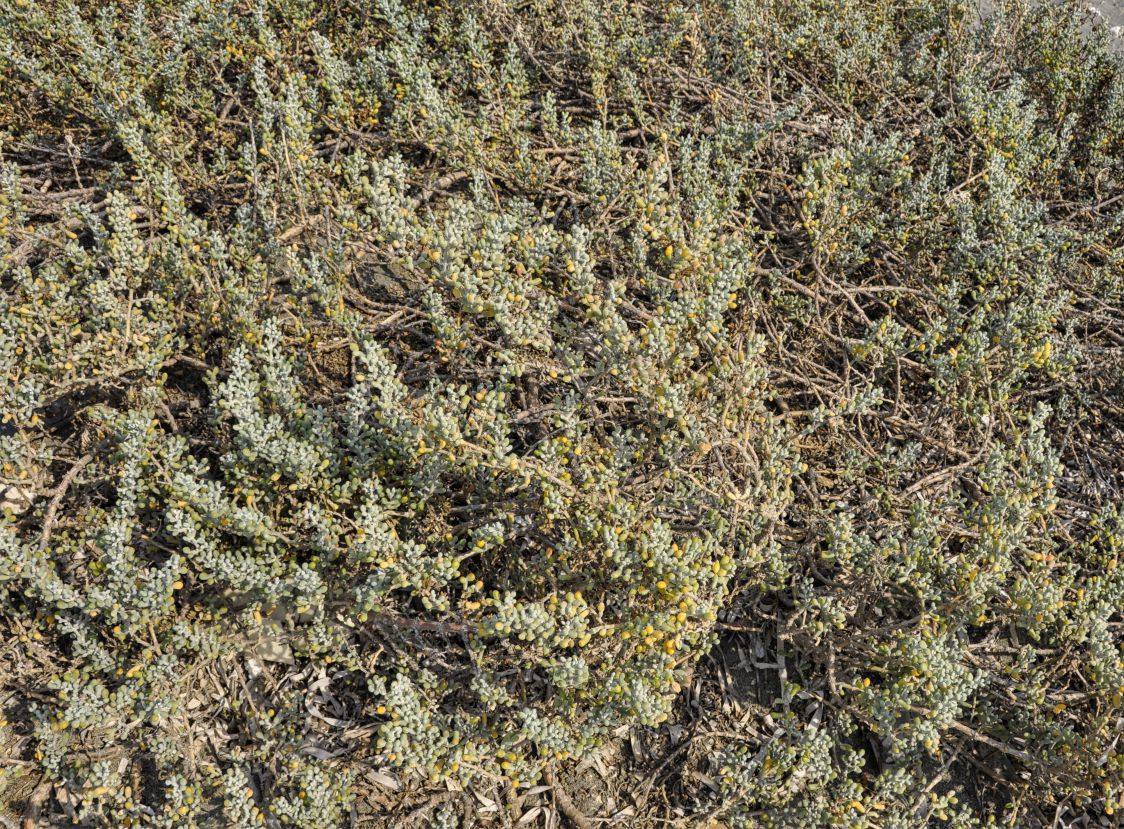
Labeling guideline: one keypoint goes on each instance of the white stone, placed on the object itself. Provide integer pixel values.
(15, 498)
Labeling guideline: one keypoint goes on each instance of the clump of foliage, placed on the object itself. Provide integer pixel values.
(428, 388)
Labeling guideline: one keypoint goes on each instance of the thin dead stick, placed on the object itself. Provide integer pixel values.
(565, 805)
(980, 737)
(443, 183)
(56, 499)
(35, 804)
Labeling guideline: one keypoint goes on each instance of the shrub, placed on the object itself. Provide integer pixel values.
(429, 389)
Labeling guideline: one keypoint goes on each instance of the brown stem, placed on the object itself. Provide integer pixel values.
(56, 499)
(565, 805)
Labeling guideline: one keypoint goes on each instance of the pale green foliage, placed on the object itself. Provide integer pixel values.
(443, 383)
